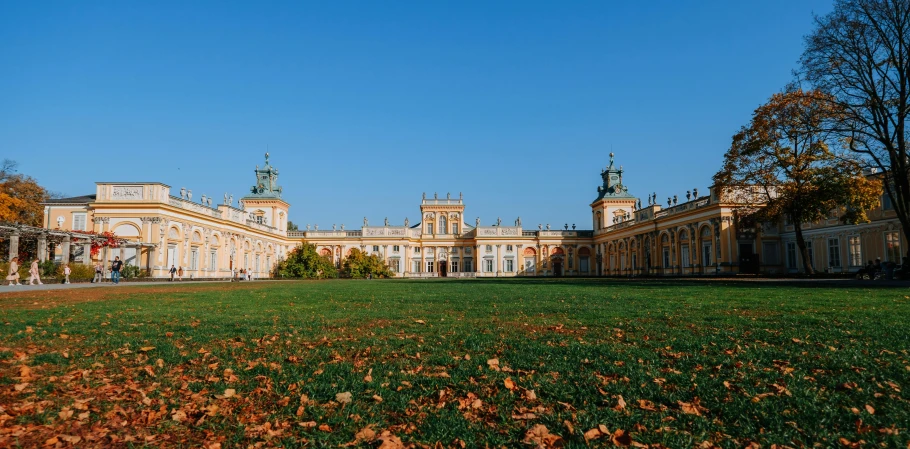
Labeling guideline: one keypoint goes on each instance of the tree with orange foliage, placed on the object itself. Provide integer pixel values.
(20, 197)
(782, 166)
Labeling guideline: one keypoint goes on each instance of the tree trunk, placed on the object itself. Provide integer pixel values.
(803, 249)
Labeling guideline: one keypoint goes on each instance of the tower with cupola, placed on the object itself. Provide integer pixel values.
(614, 204)
(263, 203)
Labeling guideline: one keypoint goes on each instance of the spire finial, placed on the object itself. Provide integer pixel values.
(266, 158)
(611, 159)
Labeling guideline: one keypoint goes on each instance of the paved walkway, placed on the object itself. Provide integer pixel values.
(5, 288)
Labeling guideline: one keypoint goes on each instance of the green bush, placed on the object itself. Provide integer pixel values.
(130, 272)
(47, 269)
(359, 265)
(79, 272)
(303, 262)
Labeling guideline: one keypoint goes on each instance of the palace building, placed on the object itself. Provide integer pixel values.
(697, 236)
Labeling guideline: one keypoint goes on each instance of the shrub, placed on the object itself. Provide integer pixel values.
(130, 272)
(359, 265)
(47, 268)
(80, 272)
(303, 262)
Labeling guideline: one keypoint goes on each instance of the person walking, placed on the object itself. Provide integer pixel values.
(13, 276)
(66, 273)
(172, 271)
(34, 272)
(99, 272)
(179, 273)
(116, 265)
(249, 275)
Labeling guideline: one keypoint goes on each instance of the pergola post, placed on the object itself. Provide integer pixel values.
(66, 249)
(14, 245)
(87, 253)
(42, 248)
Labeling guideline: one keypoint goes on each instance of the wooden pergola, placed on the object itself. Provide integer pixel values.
(14, 232)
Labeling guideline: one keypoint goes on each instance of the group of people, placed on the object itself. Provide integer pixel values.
(34, 273)
(241, 275)
(888, 270)
(116, 266)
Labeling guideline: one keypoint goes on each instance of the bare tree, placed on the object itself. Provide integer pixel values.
(860, 55)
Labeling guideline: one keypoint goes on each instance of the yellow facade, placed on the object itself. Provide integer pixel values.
(697, 236)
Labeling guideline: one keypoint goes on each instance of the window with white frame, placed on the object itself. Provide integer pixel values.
(706, 253)
(855, 247)
(509, 248)
(395, 248)
(834, 252)
(666, 257)
(375, 248)
(488, 265)
(79, 222)
(416, 250)
(791, 255)
(430, 267)
(454, 228)
(213, 260)
(769, 253)
(509, 265)
(489, 248)
(467, 250)
(415, 266)
(454, 266)
(468, 266)
(194, 258)
(893, 246)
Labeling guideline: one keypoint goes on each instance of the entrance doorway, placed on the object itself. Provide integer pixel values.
(557, 268)
(442, 269)
(748, 260)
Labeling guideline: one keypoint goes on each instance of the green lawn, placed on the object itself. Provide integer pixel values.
(664, 364)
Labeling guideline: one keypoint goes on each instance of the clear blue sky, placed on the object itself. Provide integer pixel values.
(365, 105)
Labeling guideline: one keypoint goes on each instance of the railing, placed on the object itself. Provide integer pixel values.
(498, 231)
(441, 201)
(296, 234)
(557, 233)
(261, 227)
(529, 233)
(195, 207)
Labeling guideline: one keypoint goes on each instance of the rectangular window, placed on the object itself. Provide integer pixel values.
(467, 250)
(395, 248)
(489, 248)
(430, 267)
(171, 256)
(666, 257)
(454, 266)
(375, 248)
(769, 253)
(509, 248)
(213, 260)
(791, 255)
(454, 228)
(583, 264)
(415, 266)
(834, 253)
(416, 250)
(706, 254)
(79, 222)
(856, 251)
(509, 265)
(684, 254)
(893, 246)
(886, 202)
(488, 265)
(468, 266)
(258, 267)
(194, 259)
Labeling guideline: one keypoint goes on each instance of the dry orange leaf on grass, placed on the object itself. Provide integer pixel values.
(508, 383)
(541, 437)
(369, 376)
(228, 393)
(344, 398)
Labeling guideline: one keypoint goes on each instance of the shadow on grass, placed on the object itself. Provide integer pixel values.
(644, 282)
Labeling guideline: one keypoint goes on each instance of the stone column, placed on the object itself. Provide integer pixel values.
(87, 253)
(423, 256)
(14, 245)
(42, 248)
(498, 260)
(65, 249)
(519, 260)
(478, 259)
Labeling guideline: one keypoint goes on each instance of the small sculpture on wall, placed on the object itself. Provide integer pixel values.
(406, 222)
(342, 226)
(386, 221)
(365, 222)
(333, 226)
(548, 226)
